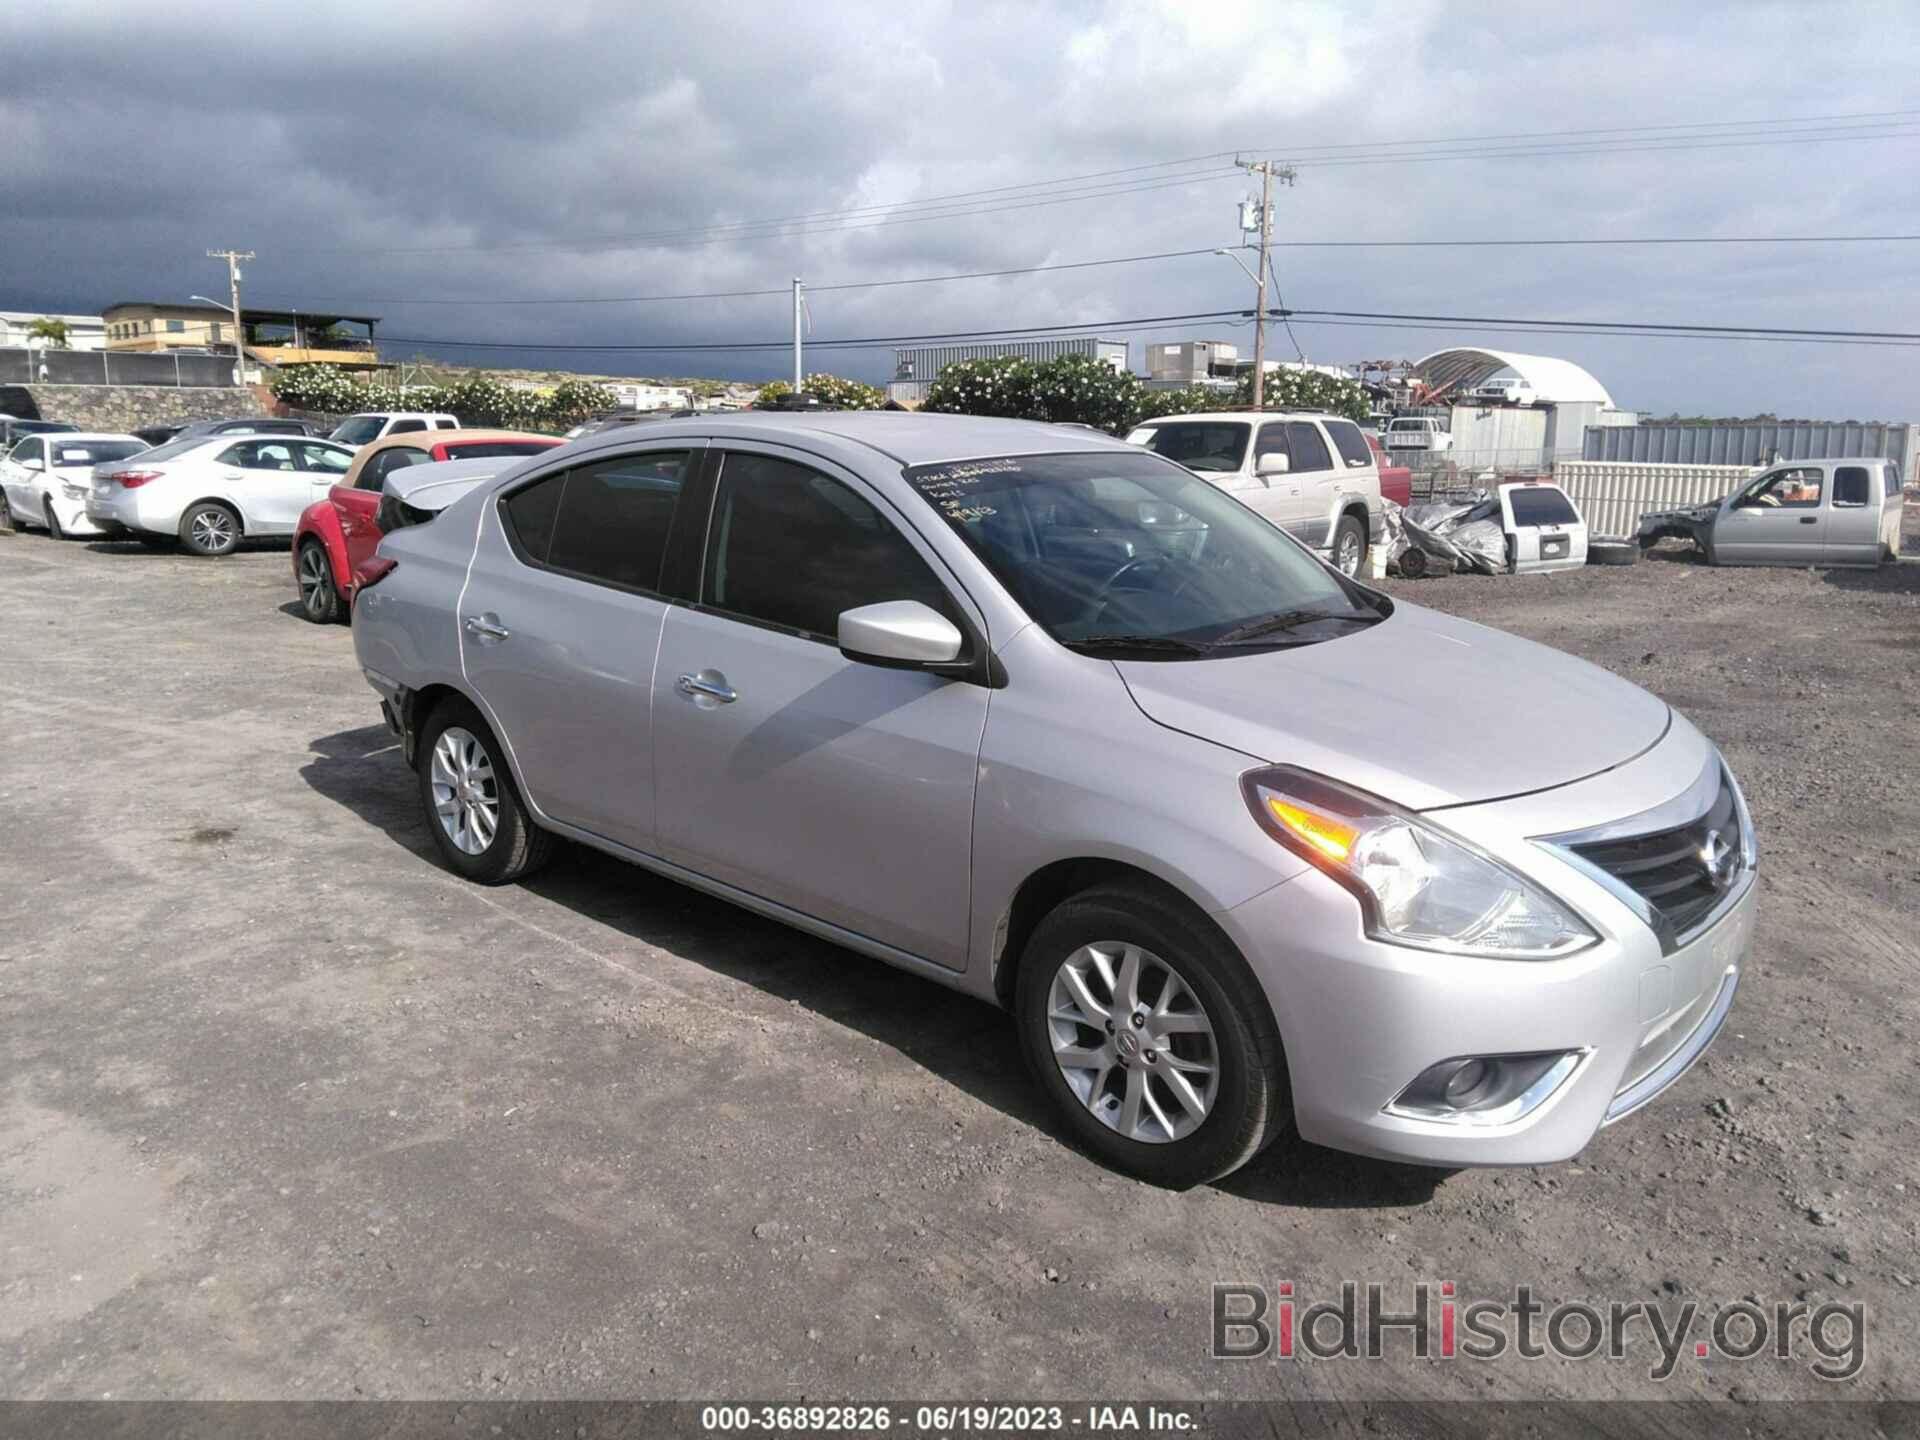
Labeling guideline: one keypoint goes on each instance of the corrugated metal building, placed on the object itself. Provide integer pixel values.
(1755, 442)
(917, 368)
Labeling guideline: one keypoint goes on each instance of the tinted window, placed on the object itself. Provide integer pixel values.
(358, 430)
(1272, 441)
(1851, 485)
(1210, 445)
(1309, 450)
(374, 473)
(96, 452)
(1892, 477)
(792, 547)
(487, 449)
(1350, 442)
(259, 455)
(406, 427)
(1541, 505)
(529, 515)
(446, 424)
(324, 459)
(26, 450)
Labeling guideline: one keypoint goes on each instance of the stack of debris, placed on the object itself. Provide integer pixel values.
(1460, 532)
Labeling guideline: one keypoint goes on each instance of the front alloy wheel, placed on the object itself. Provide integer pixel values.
(1349, 547)
(319, 600)
(1133, 1042)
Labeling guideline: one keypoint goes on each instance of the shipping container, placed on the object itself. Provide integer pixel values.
(1749, 443)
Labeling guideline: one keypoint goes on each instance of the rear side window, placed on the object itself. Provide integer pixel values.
(488, 449)
(1852, 485)
(606, 522)
(793, 548)
(259, 455)
(406, 427)
(1309, 450)
(445, 424)
(1351, 444)
(1541, 506)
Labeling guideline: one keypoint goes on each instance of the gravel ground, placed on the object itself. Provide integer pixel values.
(290, 1112)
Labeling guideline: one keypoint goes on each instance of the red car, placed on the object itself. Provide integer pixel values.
(337, 535)
(1396, 481)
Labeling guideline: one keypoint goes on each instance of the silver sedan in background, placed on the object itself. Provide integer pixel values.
(1243, 844)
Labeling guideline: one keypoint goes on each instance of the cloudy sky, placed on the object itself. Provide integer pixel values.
(377, 156)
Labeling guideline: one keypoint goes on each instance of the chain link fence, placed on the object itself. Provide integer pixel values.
(37, 366)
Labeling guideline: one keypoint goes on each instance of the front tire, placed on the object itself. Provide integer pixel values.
(211, 530)
(1349, 546)
(6, 513)
(473, 811)
(54, 532)
(1151, 1037)
(319, 598)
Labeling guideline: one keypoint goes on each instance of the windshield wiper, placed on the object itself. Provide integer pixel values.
(1287, 620)
(1139, 642)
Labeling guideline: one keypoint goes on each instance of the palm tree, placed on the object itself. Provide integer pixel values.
(51, 333)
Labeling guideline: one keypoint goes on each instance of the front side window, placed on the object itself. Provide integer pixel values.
(1541, 505)
(1210, 446)
(1309, 450)
(1852, 486)
(1128, 553)
(791, 547)
(607, 521)
(1795, 489)
(1351, 443)
(25, 451)
(1272, 441)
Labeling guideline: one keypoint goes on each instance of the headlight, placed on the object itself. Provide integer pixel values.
(1416, 885)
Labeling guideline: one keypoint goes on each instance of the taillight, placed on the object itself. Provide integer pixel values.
(373, 572)
(134, 479)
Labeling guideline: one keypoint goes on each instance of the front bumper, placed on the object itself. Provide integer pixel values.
(1361, 1018)
(72, 510)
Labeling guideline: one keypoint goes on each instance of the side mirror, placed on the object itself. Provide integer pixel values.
(34, 464)
(899, 634)
(1272, 463)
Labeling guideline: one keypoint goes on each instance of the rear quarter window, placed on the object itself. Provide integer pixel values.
(1351, 444)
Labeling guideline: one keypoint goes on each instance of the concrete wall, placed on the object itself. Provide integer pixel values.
(1613, 495)
(126, 407)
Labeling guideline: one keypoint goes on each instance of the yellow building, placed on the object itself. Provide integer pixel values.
(273, 337)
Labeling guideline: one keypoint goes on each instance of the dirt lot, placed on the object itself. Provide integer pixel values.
(288, 1111)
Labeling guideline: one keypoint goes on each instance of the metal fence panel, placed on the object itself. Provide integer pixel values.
(1613, 495)
(115, 367)
(1751, 443)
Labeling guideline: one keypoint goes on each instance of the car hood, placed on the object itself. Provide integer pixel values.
(1421, 709)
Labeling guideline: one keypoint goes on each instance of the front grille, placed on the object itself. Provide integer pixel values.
(1669, 869)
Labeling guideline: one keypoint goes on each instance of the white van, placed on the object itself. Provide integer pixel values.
(1418, 432)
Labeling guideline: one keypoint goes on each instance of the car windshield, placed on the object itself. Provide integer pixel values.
(358, 429)
(96, 452)
(1205, 445)
(1126, 553)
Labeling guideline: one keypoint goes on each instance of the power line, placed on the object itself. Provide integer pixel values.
(1121, 260)
(1630, 139)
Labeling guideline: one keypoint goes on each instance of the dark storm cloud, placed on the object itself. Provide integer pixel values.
(331, 139)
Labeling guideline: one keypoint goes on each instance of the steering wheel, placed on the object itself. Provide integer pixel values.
(1133, 563)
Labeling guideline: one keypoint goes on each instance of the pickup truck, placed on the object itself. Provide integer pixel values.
(1844, 512)
(1313, 475)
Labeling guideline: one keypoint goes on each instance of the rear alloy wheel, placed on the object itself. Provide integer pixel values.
(1149, 1033)
(319, 598)
(1349, 546)
(473, 811)
(210, 529)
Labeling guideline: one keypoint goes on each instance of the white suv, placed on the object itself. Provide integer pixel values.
(378, 424)
(1313, 475)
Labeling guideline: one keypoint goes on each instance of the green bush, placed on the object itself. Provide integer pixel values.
(1003, 387)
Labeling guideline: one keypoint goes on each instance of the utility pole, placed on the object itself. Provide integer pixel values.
(1267, 173)
(798, 305)
(233, 259)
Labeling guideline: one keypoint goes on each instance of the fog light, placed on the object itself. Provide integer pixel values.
(1486, 1089)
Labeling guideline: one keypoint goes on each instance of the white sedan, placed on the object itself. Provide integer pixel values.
(44, 478)
(212, 491)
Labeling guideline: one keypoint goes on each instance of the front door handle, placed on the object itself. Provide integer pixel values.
(708, 685)
(486, 629)
(1809, 519)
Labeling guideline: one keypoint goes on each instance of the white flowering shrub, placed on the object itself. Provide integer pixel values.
(1307, 390)
(847, 394)
(1003, 387)
(476, 400)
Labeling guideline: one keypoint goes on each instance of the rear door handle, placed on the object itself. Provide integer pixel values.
(1809, 519)
(486, 629)
(708, 684)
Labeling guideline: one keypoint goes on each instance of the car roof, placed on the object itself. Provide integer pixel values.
(67, 439)
(1247, 415)
(415, 439)
(400, 415)
(904, 436)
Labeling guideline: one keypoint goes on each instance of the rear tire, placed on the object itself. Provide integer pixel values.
(1612, 552)
(210, 529)
(473, 811)
(1246, 1099)
(313, 572)
(1349, 547)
